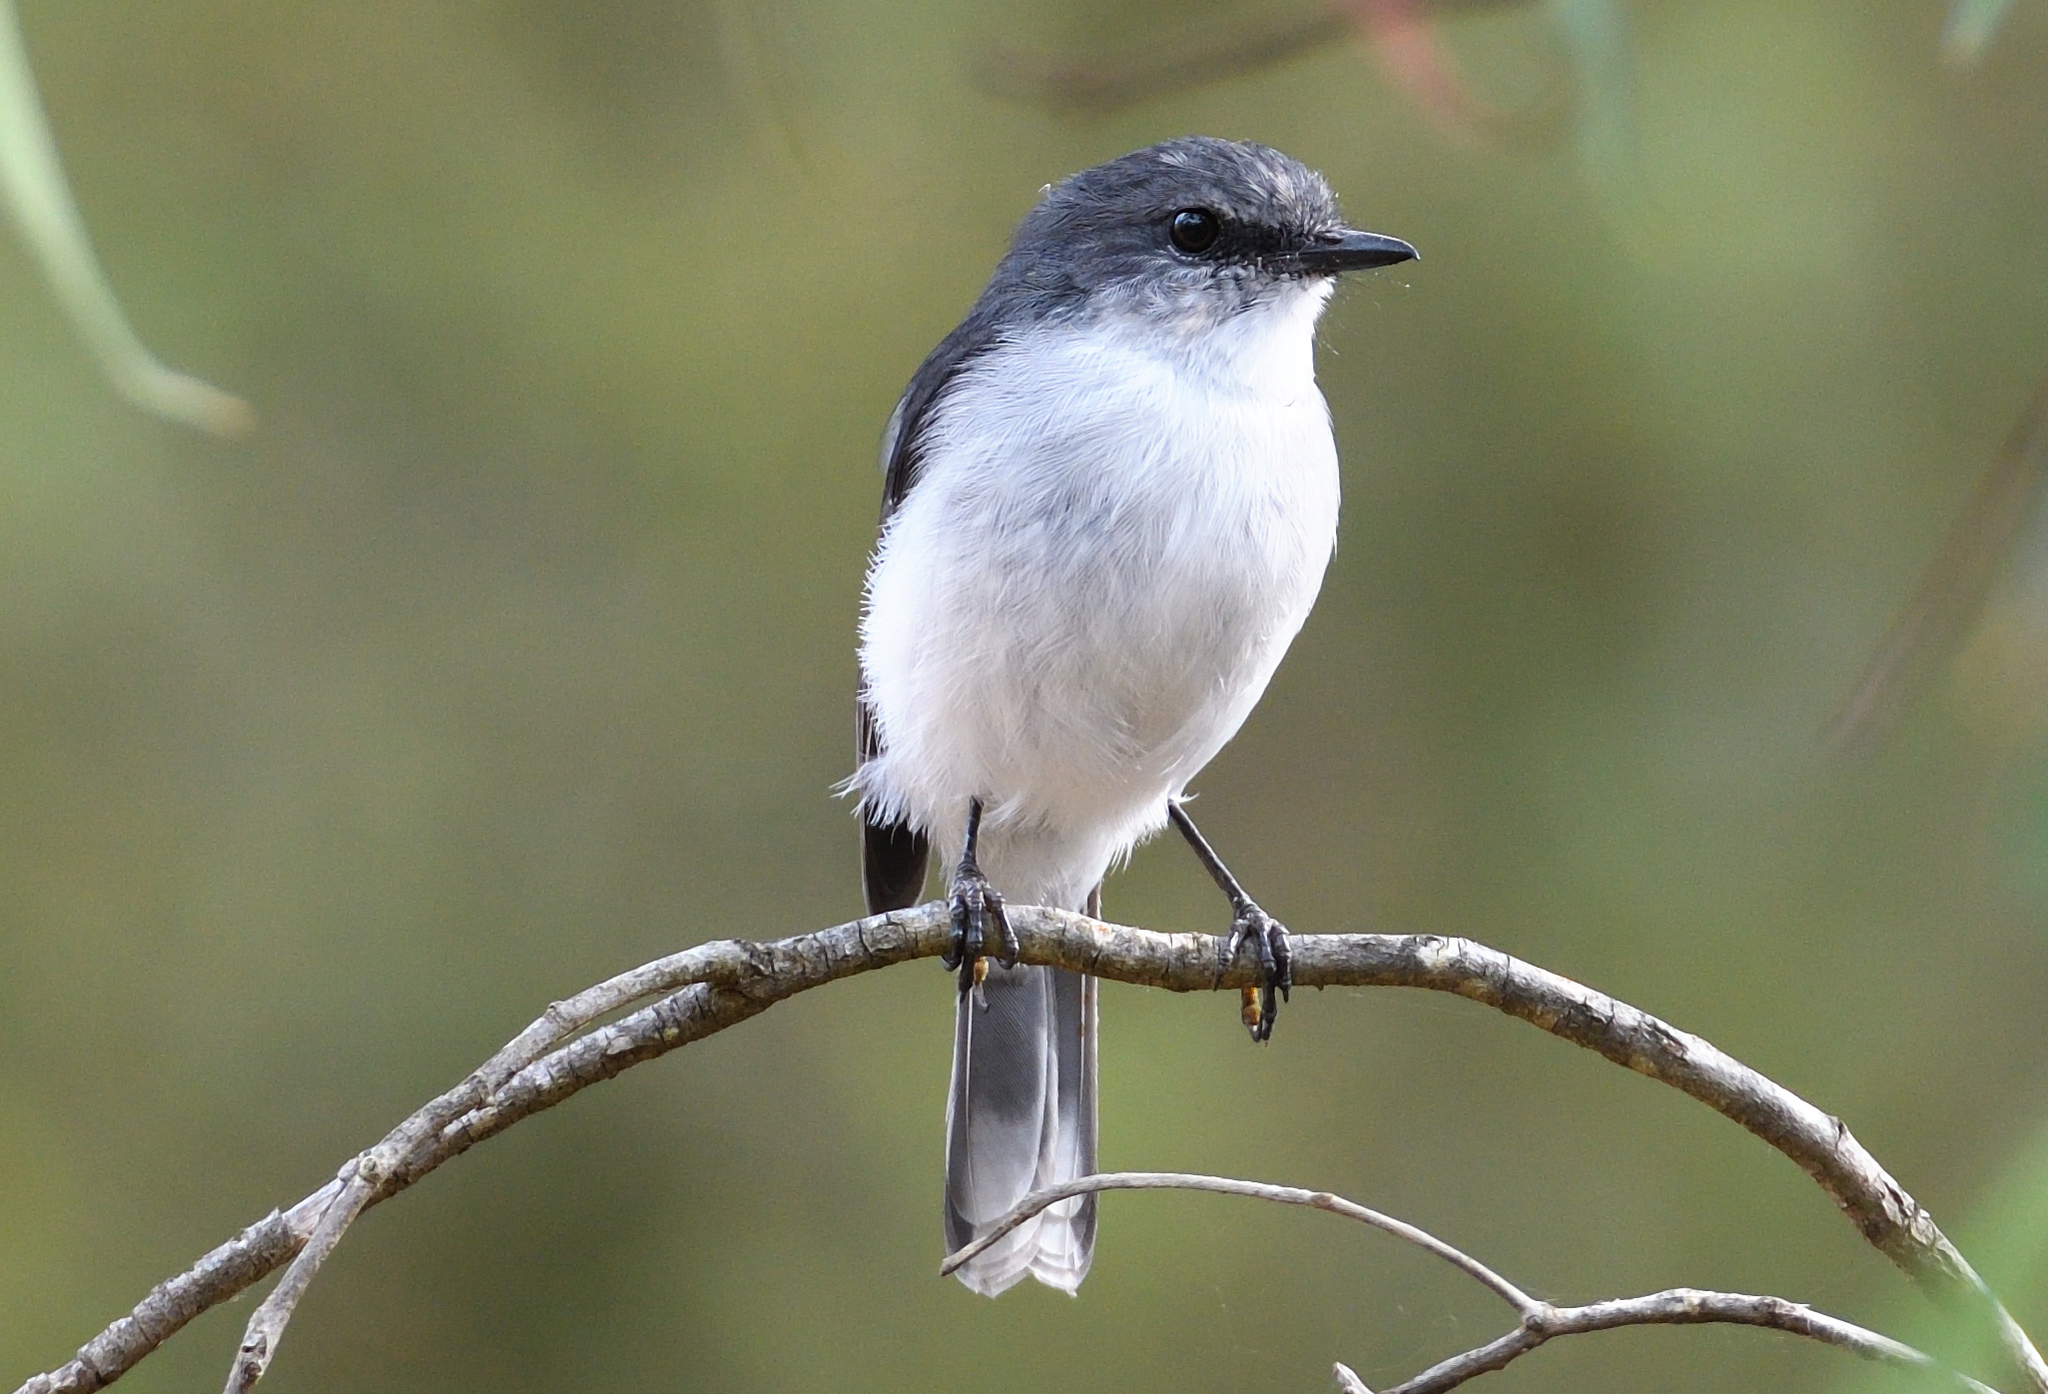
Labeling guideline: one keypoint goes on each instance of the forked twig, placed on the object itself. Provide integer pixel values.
(361, 1179)
(1537, 1321)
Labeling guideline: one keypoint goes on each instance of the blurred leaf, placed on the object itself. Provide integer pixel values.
(1970, 28)
(1411, 49)
(40, 199)
(1406, 34)
(1596, 38)
(1951, 590)
(1097, 86)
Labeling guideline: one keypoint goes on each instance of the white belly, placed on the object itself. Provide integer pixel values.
(1088, 589)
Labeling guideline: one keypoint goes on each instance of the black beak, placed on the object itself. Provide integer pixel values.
(1351, 251)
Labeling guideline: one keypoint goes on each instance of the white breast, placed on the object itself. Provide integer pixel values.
(1110, 545)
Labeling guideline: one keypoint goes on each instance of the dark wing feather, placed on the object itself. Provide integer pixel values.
(903, 442)
(893, 855)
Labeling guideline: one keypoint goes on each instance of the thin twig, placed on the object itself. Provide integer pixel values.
(278, 1239)
(1538, 1321)
(1257, 1190)
(359, 1181)
(266, 1325)
(1679, 1307)
(724, 983)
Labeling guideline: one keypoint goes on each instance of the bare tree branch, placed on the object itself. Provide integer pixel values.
(1539, 1321)
(720, 984)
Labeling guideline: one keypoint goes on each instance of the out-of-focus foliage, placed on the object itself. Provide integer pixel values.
(1949, 601)
(1971, 25)
(516, 648)
(1596, 36)
(39, 198)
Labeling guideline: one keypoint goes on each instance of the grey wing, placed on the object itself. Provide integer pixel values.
(894, 855)
(903, 442)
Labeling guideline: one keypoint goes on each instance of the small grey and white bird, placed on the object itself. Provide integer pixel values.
(1110, 496)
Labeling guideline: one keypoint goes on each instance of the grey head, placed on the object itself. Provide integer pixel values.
(1196, 227)
(1187, 233)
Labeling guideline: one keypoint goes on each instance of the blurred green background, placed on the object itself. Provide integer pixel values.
(516, 648)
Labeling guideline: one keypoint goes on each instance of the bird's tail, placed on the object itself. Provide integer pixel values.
(1021, 1116)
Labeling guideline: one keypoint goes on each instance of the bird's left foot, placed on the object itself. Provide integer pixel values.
(1268, 938)
(978, 919)
(979, 925)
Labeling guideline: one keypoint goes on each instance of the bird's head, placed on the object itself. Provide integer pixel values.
(1190, 232)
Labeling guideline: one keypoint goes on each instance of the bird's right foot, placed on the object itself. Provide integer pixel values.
(1268, 938)
(1248, 924)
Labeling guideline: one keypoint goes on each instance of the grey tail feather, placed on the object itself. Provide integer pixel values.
(1021, 1116)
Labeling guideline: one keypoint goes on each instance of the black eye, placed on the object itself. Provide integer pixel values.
(1195, 230)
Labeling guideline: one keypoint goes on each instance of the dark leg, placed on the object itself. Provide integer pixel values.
(977, 909)
(1247, 921)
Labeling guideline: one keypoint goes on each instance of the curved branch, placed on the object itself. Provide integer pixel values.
(1539, 1322)
(720, 984)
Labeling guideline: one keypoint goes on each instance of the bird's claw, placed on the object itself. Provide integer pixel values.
(1268, 938)
(979, 923)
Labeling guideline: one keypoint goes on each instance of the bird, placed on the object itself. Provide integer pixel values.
(1109, 498)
